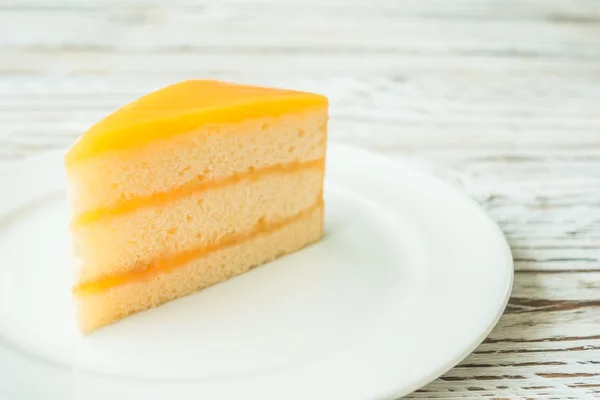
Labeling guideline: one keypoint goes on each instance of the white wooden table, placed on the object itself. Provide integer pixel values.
(499, 97)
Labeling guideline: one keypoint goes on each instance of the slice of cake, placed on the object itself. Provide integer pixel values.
(189, 186)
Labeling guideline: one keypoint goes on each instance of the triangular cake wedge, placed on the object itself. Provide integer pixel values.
(189, 186)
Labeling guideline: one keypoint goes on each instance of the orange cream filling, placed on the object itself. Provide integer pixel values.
(168, 264)
(190, 187)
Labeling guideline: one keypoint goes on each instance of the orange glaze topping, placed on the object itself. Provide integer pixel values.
(183, 107)
(191, 187)
(166, 265)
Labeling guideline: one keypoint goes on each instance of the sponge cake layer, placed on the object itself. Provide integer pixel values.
(132, 241)
(206, 154)
(101, 307)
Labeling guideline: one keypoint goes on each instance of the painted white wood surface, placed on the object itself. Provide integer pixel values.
(499, 97)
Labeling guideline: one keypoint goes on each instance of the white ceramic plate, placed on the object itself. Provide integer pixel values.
(410, 278)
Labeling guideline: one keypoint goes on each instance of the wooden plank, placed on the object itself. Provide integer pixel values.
(182, 64)
(167, 30)
(419, 110)
(566, 11)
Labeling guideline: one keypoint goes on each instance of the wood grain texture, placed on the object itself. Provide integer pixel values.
(499, 98)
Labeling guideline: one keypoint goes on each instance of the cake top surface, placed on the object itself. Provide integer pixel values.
(182, 107)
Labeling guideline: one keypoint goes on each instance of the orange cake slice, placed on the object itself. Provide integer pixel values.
(188, 186)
